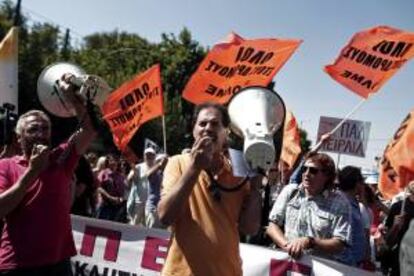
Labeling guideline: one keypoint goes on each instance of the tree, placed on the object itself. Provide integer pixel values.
(66, 50)
(304, 141)
(37, 49)
(180, 58)
(116, 57)
(6, 17)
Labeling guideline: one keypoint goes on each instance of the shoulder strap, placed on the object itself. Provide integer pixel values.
(293, 193)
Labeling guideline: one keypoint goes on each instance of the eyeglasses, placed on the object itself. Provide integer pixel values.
(311, 170)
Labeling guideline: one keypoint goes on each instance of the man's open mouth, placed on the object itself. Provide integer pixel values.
(213, 137)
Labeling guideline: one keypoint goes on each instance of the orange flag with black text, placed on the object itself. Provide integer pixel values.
(132, 104)
(291, 140)
(235, 64)
(397, 164)
(371, 58)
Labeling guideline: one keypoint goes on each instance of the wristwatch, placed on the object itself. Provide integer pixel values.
(311, 242)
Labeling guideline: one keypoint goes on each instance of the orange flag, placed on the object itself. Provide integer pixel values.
(130, 155)
(291, 140)
(397, 165)
(235, 64)
(371, 58)
(134, 103)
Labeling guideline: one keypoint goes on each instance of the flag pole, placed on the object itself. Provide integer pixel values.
(343, 120)
(164, 134)
(402, 211)
(348, 115)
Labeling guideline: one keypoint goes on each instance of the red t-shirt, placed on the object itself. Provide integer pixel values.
(38, 231)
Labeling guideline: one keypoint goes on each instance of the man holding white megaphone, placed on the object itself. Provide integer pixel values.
(35, 192)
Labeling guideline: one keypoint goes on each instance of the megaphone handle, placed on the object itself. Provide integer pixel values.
(56, 91)
(77, 81)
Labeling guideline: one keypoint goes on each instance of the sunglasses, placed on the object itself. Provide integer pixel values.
(311, 170)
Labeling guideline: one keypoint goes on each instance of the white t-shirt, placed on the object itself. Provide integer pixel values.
(140, 181)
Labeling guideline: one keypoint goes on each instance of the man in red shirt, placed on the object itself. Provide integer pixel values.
(35, 195)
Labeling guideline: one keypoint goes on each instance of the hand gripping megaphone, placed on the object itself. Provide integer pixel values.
(92, 88)
(256, 114)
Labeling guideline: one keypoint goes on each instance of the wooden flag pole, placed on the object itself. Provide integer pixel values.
(164, 134)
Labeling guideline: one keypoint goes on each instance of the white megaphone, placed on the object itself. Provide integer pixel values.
(92, 88)
(256, 113)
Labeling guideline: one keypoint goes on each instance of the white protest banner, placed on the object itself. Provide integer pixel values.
(112, 249)
(107, 248)
(351, 138)
(263, 261)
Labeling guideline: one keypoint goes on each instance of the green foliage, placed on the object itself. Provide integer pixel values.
(66, 51)
(180, 58)
(304, 141)
(117, 57)
(6, 17)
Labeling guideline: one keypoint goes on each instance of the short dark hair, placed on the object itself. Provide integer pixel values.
(328, 167)
(349, 177)
(225, 118)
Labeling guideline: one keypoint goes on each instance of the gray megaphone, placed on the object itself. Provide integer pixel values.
(256, 114)
(91, 87)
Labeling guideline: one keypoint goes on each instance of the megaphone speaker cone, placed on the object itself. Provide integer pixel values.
(49, 95)
(256, 114)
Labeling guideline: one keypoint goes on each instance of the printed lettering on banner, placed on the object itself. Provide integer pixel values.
(351, 138)
(108, 248)
(371, 58)
(132, 104)
(235, 64)
(112, 249)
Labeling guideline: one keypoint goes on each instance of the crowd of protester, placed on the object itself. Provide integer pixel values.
(345, 218)
(314, 208)
(112, 188)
